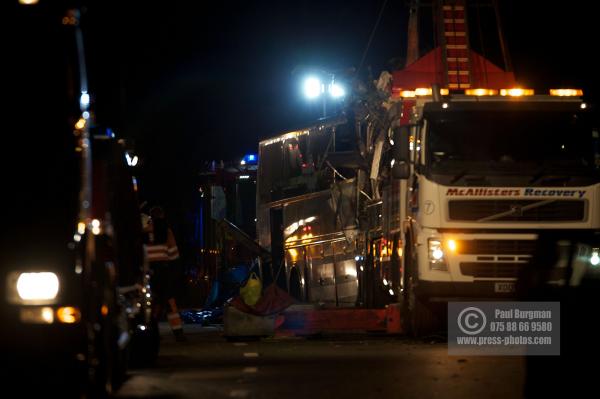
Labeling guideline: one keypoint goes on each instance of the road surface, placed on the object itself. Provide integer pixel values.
(341, 366)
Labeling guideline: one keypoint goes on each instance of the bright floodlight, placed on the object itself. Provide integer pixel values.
(131, 160)
(312, 87)
(336, 90)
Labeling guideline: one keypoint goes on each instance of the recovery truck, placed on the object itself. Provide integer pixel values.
(482, 166)
(450, 171)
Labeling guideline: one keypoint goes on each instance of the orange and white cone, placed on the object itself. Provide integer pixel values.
(175, 321)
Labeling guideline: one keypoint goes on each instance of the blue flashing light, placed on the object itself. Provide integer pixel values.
(250, 159)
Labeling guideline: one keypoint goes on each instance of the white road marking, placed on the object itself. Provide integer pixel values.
(250, 370)
(250, 354)
(239, 393)
(240, 344)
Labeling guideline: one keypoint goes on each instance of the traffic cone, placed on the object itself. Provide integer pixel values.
(175, 321)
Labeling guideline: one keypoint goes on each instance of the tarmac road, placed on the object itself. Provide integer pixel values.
(341, 366)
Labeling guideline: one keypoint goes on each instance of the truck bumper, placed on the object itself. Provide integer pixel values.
(435, 291)
(41, 352)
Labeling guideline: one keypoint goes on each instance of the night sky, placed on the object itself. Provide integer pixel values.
(188, 81)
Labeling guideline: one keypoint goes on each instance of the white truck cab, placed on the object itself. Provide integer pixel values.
(485, 175)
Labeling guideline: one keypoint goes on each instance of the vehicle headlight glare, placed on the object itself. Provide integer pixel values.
(595, 258)
(452, 245)
(435, 250)
(437, 259)
(37, 286)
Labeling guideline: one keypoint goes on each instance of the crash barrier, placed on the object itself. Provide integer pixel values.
(308, 320)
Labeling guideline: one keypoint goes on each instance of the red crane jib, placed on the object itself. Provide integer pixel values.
(429, 69)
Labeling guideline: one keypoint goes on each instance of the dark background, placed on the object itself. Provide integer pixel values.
(187, 82)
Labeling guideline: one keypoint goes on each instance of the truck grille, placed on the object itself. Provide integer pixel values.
(496, 247)
(491, 269)
(554, 211)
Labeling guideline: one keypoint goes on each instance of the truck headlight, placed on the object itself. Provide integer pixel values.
(595, 258)
(37, 286)
(437, 259)
(33, 288)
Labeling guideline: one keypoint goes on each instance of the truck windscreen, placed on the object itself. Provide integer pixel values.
(514, 141)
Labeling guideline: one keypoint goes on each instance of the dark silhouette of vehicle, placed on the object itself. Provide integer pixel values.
(74, 292)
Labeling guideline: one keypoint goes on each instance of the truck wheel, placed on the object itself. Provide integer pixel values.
(417, 315)
(421, 317)
(145, 345)
(108, 361)
(101, 383)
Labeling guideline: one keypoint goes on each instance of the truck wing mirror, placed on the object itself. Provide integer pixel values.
(401, 152)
